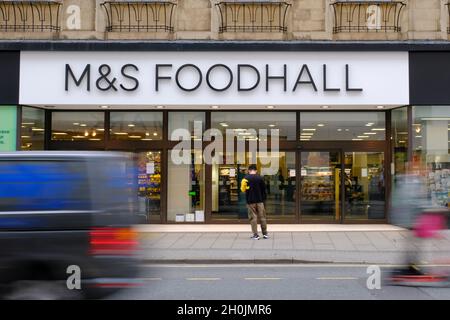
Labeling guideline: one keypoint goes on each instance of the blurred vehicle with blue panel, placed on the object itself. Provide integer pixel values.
(62, 209)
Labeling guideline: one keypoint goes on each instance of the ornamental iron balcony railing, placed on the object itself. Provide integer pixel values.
(139, 16)
(30, 15)
(367, 15)
(252, 16)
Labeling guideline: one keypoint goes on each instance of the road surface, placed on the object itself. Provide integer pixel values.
(268, 282)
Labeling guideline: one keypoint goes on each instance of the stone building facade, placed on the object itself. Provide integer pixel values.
(225, 20)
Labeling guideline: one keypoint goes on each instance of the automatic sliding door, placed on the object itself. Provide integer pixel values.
(279, 174)
(365, 187)
(320, 185)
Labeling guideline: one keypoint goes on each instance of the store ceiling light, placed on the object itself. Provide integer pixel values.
(76, 123)
(134, 137)
(28, 123)
(37, 129)
(79, 137)
(159, 107)
(339, 130)
(59, 133)
(214, 107)
(121, 133)
(378, 129)
(83, 125)
(104, 107)
(100, 129)
(380, 107)
(307, 134)
(25, 137)
(370, 133)
(363, 136)
(223, 124)
(155, 133)
(270, 107)
(309, 129)
(94, 139)
(357, 139)
(271, 125)
(325, 107)
(321, 125)
(369, 124)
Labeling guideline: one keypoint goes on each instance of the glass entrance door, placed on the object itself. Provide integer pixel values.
(365, 188)
(279, 174)
(320, 185)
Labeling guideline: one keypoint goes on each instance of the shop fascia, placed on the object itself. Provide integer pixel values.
(128, 78)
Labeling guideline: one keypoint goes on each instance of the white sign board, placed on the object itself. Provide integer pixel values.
(208, 78)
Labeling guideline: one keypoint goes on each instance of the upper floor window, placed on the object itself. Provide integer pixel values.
(252, 15)
(367, 15)
(139, 16)
(30, 16)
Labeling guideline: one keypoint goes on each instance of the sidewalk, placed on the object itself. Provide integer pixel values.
(368, 244)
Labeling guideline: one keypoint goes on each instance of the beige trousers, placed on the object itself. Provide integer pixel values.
(257, 211)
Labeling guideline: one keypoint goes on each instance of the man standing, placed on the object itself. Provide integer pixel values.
(254, 188)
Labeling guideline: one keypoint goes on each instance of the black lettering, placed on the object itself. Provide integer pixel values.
(136, 81)
(86, 73)
(239, 67)
(325, 88)
(158, 77)
(310, 81)
(200, 77)
(347, 80)
(219, 66)
(283, 77)
(104, 78)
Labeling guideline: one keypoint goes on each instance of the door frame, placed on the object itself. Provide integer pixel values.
(342, 147)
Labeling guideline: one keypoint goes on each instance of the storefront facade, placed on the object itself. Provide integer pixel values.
(339, 120)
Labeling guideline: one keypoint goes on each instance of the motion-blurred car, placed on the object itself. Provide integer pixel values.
(64, 212)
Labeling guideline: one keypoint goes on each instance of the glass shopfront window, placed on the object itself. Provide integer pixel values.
(186, 120)
(277, 170)
(149, 184)
(135, 126)
(243, 123)
(431, 146)
(32, 129)
(78, 126)
(400, 138)
(186, 189)
(352, 126)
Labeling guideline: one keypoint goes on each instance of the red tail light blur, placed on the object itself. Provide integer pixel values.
(113, 241)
